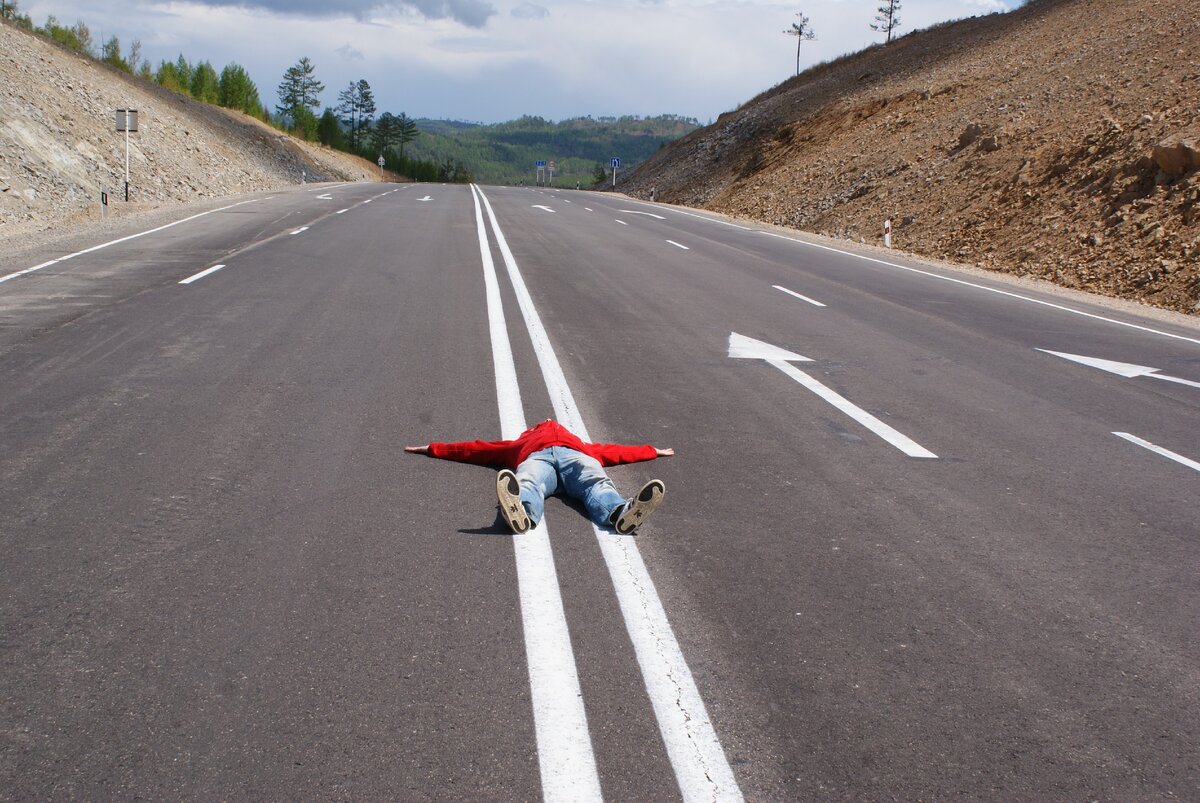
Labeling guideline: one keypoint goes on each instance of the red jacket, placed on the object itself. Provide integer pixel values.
(509, 454)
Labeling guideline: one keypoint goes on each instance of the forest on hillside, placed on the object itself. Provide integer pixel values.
(581, 147)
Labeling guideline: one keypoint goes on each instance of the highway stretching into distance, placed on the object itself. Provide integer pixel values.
(926, 534)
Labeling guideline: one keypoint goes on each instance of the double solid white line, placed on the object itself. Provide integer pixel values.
(565, 755)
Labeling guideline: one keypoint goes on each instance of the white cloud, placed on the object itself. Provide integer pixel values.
(425, 57)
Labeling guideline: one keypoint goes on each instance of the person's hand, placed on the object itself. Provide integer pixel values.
(665, 452)
(417, 449)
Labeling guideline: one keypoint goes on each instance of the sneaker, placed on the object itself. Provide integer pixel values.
(637, 509)
(508, 494)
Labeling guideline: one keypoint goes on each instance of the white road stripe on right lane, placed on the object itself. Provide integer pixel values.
(797, 295)
(1167, 453)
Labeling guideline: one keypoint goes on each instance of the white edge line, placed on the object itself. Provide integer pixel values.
(701, 769)
(797, 295)
(565, 757)
(679, 245)
(983, 287)
(1167, 453)
(201, 274)
(121, 240)
(888, 433)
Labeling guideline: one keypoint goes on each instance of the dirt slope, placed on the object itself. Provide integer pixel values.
(59, 146)
(1057, 141)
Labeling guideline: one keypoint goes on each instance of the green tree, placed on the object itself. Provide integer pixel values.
(8, 9)
(304, 123)
(235, 90)
(300, 89)
(205, 85)
(384, 135)
(329, 130)
(406, 131)
(356, 104)
(111, 54)
(167, 76)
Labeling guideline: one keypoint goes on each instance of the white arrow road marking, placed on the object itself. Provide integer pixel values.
(325, 197)
(1125, 369)
(678, 245)
(797, 295)
(568, 765)
(747, 348)
(701, 769)
(426, 198)
(299, 230)
(543, 208)
(201, 274)
(742, 347)
(1178, 458)
(647, 214)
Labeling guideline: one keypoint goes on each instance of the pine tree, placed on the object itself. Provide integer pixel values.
(888, 19)
(205, 85)
(237, 91)
(300, 89)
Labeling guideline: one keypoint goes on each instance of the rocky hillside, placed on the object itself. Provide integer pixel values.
(59, 146)
(1057, 141)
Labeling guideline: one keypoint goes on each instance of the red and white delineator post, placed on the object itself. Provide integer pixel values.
(887, 233)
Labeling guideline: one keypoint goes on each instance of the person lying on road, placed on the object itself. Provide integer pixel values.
(551, 459)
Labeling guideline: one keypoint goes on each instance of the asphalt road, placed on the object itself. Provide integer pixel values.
(904, 553)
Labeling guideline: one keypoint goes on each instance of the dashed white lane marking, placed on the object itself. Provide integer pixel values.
(565, 757)
(300, 230)
(201, 274)
(587, 209)
(797, 295)
(121, 240)
(701, 769)
(1167, 453)
(622, 222)
(679, 245)
(342, 211)
(543, 208)
(995, 290)
(368, 200)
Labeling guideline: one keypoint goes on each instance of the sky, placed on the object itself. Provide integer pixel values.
(495, 60)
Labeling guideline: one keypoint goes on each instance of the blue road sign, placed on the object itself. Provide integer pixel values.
(615, 162)
(540, 163)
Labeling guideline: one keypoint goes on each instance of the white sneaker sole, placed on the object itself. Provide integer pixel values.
(646, 502)
(508, 494)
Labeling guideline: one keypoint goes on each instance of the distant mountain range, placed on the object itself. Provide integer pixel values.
(506, 153)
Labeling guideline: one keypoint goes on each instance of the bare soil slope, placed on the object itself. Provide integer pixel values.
(1058, 141)
(59, 146)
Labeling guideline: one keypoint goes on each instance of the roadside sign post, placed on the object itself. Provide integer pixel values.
(540, 164)
(551, 172)
(381, 166)
(615, 164)
(127, 120)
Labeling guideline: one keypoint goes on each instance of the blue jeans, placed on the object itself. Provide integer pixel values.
(573, 473)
